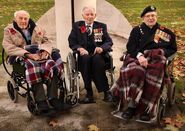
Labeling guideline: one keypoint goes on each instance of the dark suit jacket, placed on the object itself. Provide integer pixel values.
(78, 36)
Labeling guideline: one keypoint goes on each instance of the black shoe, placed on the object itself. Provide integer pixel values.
(43, 106)
(129, 113)
(145, 117)
(58, 105)
(65, 107)
(87, 100)
(108, 96)
(50, 113)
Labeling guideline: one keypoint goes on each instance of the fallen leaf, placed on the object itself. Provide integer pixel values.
(167, 120)
(183, 94)
(178, 124)
(93, 128)
(171, 128)
(180, 118)
(53, 123)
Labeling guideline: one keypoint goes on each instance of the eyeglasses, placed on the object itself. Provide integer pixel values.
(152, 16)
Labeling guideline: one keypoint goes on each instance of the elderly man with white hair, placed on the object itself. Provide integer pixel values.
(91, 39)
(19, 38)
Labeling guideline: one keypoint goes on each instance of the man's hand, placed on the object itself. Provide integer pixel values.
(83, 51)
(143, 61)
(33, 56)
(43, 55)
(98, 50)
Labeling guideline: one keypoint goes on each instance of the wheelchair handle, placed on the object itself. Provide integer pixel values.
(3, 61)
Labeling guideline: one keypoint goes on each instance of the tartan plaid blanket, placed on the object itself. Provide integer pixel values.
(42, 71)
(143, 85)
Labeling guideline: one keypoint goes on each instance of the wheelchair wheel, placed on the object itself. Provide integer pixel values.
(73, 75)
(11, 87)
(32, 106)
(161, 112)
(72, 100)
(112, 78)
(171, 95)
(71, 69)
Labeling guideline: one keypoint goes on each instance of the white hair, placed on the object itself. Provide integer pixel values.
(88, 7)
(21, 12)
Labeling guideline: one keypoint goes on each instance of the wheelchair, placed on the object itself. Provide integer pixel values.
(18, 86)
(74, 74)
(166, 99)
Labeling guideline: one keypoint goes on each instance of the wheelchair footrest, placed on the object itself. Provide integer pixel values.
(153, 120)
(117, 114)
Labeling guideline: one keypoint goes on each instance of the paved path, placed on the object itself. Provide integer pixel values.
(15, 116)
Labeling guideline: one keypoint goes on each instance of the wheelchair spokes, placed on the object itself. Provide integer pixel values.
(12, 91)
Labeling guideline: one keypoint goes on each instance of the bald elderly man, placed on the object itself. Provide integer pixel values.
(91, 39)
(19, 38)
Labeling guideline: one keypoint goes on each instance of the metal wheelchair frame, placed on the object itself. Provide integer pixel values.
(167, 97)
(74, 74)
(17, 81)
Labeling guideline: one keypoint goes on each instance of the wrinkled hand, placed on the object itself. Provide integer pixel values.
(143, 61)
(83, 51)
(98, 50)
(44, 55)
(33, 56)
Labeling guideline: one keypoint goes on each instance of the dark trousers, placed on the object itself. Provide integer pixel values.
(52, 90)
(93, 68)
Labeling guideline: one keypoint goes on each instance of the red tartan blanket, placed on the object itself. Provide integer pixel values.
(143, 85)
(37, 71)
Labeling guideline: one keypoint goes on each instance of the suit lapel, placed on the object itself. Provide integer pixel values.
(83, 35)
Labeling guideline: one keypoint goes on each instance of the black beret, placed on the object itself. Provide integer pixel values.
(148, 9)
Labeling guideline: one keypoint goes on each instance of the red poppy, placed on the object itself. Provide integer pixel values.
(99, 29)
(83, 29)
(39, 33)
(12, 31)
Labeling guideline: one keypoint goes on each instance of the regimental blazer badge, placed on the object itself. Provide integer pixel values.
(98, 33)
(159, 34)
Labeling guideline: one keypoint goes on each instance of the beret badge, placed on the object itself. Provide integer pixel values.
(152, 8)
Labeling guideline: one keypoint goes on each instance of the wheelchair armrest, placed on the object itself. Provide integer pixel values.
(76, 54)
(109, 50)
(110, 53)
(122, 58)
(55, 50)
(13, 59)
(170, 59)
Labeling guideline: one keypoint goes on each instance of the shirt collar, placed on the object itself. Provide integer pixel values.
(88, 25)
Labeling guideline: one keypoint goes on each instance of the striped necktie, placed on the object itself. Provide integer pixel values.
(88, 30)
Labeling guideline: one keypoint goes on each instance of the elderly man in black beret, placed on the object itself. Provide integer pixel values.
(141, 76)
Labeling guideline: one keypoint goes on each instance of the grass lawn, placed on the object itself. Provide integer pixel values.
(171, 13)
(36, 8)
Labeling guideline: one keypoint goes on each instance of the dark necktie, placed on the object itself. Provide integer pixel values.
(88, 30)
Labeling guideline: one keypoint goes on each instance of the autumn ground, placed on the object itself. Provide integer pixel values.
(171, 15)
